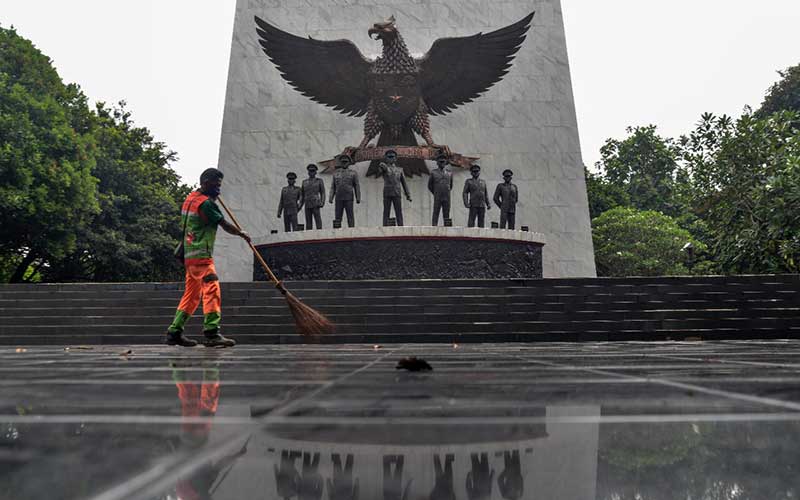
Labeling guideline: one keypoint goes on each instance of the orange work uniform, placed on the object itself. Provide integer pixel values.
(201, 216)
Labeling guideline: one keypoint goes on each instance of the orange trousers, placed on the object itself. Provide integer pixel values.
(201, 282)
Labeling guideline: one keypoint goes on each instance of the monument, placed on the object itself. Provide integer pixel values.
(509, 58)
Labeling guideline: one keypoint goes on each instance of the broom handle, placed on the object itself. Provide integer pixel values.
(252, 247)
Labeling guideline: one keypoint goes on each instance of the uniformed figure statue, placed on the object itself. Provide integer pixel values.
(345, 189)
(476, 198)
(313, 197)
(505, 197)
(510, 481)
(290, 203)
(393, 180)
(440, 183)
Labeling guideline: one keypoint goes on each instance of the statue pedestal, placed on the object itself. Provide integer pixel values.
(411, 252)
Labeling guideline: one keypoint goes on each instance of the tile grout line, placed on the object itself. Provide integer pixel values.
(679, 385)
(157, 479)
(730, 362)
(365, 421)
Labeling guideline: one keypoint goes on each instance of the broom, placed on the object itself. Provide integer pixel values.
(307, 320)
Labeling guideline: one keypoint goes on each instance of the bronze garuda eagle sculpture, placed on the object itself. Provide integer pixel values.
(396, 91)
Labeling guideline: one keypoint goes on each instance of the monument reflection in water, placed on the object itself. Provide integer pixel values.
(552, 452)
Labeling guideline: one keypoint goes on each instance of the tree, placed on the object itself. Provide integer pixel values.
(630, 242)
(784, 95)
(133, 236)
(86, 194)
(603, 195)
(46, 157)
(745, 185)
(644, 166)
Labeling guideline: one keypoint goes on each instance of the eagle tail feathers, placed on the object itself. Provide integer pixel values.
(411, 166)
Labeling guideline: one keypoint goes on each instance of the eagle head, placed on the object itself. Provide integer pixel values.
(385, 31)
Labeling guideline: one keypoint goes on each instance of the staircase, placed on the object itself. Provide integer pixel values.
(735, 307)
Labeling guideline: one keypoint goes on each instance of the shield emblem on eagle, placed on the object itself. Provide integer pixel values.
(397, 96)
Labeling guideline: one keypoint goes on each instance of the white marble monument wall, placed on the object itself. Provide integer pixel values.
(526, 123)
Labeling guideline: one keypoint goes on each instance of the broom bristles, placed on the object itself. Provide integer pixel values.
(308, 321)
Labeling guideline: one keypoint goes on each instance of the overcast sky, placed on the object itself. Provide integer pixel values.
(634, 62)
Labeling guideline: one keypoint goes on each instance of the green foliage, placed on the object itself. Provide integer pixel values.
(709, 460)
(783, 95)
(86, 195)
(631, 242)
(734, 185)
(603, 195)
(643, 166)
(746, 187)
(46, 158)
(133, 236)
(632, 448)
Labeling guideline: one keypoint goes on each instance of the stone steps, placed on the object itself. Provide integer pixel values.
(419, 311)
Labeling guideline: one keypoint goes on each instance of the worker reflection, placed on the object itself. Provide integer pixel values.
(199, 398)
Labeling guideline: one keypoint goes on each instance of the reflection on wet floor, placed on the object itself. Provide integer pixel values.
(577, 421)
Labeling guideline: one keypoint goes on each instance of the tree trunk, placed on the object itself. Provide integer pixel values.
(19, 273)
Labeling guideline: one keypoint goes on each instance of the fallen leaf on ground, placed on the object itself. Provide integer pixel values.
(413, 364)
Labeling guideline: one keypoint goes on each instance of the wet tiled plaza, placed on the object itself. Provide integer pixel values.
(701, 420)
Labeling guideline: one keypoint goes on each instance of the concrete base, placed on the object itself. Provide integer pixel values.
(422, 252)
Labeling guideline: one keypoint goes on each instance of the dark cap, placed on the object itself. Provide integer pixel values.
(291, 175)
(441, 156)
(507, 172)
(390, 152)
(312, 166)
(211, 174)
(475, 166)
(342, 158)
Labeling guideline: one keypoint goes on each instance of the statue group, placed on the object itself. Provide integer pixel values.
(346, 190)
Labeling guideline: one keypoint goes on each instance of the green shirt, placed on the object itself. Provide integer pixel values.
(212, 212)
(201, 227)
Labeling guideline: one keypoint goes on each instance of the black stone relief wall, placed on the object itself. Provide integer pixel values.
(402, 259)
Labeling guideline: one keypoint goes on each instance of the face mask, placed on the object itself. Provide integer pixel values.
(214, 191)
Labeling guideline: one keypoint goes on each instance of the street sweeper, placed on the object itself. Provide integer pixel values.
(200, 218)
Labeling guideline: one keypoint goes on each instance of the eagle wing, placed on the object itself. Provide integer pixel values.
(457, 70)
(333, 73)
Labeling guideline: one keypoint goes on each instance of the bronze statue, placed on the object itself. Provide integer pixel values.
(287, 479)
(396, 92)
(476, 198)
(313, 197)
(342, 486)
(310, 485)
(393, 488)
(393, 180)
(506, 196)
(440, 183)
(443, 487)
(290, 203)
(479, 479)
(510, 481)
(345, 188)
